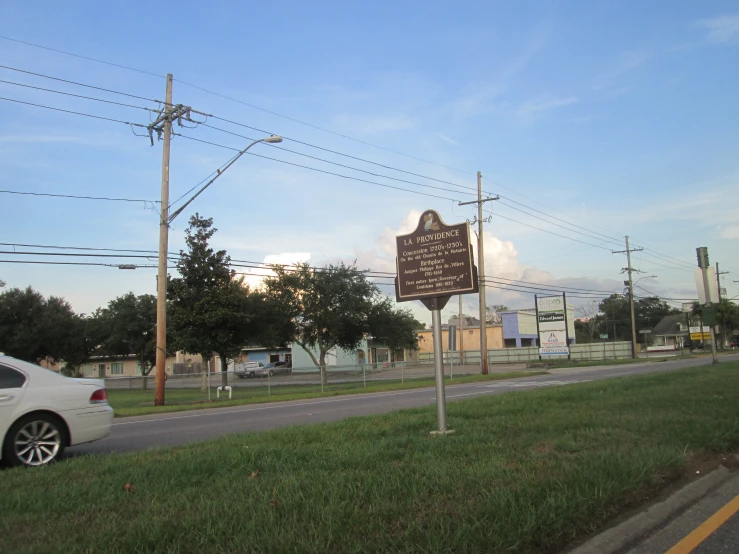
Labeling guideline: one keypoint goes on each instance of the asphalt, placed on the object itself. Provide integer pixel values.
(144, 432)
(672, 532)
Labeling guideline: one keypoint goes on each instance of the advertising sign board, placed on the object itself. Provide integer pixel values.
(552, 324)
(695, 333)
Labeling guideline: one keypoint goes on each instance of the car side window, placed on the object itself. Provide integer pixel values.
(10, 378)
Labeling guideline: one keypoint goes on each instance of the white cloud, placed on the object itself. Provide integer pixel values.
(723, 29)
(546, 103)
(445, 138)
(254, 276)
(730, 232)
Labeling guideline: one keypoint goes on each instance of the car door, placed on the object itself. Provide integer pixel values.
(12, 382)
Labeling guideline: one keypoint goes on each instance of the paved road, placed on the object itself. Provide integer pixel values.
(701, 529)
(138, 433)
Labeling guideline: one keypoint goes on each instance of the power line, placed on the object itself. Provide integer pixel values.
(79, 84)
(278, 115)
(73, 112)
(338, 164)
(347, 155)
(663, 265)
(317, 127)
(317, 170)
(560, 226)
(80, 96)
(549, 232)
(69, 263)
(79, 197)
(79, 248)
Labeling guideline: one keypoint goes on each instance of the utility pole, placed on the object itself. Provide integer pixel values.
(461, 333)
(481, 273)
(162, 125)
(161, 355)
(629, 269)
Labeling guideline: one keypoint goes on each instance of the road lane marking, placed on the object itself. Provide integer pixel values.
(705, 529)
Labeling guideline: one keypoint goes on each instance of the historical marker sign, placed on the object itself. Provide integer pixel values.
(435, 260)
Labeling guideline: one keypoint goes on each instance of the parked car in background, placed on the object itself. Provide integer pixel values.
(277, 368)
(43, 412)
(247, 369)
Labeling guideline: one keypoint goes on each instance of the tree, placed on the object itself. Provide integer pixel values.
(34, 328)
(129, 324)
(210, 309)
(586, 323)
(396, 328)
(494, 316)
(336, 307)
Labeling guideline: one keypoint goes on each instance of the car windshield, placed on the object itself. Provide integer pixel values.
(270, 365)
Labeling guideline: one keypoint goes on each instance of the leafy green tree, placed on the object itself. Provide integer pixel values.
(211, 310)
(34, 328)
(394, 327)
(129, 327)
(336, 307)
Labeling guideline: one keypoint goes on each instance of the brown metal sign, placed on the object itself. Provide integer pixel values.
(435, 260)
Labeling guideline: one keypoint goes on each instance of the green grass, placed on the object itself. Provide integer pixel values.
(591, 363)
(525, 472)
(134, 402)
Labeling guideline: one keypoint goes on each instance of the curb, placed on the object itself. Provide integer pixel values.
(616, 538)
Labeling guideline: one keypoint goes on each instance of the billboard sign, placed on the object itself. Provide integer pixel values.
(695, 333)
(552, 324)
(435, 260)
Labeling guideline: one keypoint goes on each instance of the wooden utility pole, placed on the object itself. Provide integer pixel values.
(161, 356)
(629, 269)
(481, 273)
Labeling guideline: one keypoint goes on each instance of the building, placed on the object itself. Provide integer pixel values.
(265, 355)
(672, 330)
(128, 366)
(519, 327)
(467, 339)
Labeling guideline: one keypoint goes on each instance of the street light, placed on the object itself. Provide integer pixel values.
(162, 275)
(273, 139)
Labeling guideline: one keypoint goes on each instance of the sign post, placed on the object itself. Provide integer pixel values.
(703, 264)
(434, 263)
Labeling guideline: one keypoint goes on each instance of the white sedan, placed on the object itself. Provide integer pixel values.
(43, 412)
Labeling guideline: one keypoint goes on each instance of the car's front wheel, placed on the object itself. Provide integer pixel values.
(34, 440)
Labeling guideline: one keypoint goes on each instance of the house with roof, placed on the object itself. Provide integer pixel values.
(672, 330)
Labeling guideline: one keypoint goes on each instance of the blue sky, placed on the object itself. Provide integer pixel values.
(618, 117)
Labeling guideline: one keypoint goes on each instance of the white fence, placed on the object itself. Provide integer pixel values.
(589, 351)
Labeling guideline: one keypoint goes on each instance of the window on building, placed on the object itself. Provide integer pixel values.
(10, 378)
(510, 343)
(274, 358)
(116, 368)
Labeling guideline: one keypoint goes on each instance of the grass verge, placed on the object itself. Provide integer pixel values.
(525, 472)
(134, 402)
(544, 365)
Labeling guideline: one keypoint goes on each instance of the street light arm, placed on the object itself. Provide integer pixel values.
(272, 139)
